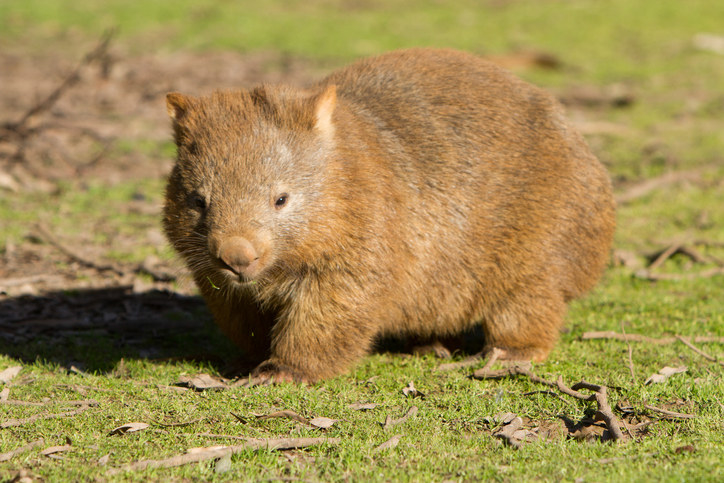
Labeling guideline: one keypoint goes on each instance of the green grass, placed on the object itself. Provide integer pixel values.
(675, 123)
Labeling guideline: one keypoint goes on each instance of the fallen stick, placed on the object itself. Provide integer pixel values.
(603, 407)
(29, 280)
(15, 402)
(673, 414)
(642, 338)
(215, 452)
(12, 454)
(645, 187)
(98, 52)
(654, 277)
(699, 351)
(139, 268)
(45, 235)
(599, 395)
(19, 422)
(664, 255)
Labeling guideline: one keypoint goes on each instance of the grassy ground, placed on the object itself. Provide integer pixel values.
(646, 49)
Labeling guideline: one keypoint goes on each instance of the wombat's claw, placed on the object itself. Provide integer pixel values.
(256, 381)
(268, 373)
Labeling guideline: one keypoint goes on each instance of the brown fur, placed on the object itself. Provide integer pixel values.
(427, 191)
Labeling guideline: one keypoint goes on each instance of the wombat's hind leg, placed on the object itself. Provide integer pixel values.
(526, 330)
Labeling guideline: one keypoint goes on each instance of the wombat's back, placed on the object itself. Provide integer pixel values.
(498, 192)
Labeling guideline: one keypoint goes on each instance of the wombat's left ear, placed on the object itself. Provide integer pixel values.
(177, 105)
(324, 105)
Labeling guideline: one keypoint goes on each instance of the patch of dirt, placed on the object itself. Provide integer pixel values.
(111, 120)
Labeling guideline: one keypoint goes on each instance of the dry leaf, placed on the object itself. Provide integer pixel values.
(362, 406)
(410, 391)
(372, 380)
(55, 449)
(685, 449)
(590, 432)
(223, 464)
(5, 394)
(508, 432)
(502, 418)
(202, 382)
(389, 422)
(8, 374)
(390, 443)
(177, 389)
(664, 373)
(322, 422)
(285, 414)
(103, 460)
(128, 428)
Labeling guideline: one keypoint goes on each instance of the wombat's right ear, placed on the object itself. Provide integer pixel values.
(177, 105)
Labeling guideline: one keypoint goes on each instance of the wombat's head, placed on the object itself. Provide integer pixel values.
(249, 182)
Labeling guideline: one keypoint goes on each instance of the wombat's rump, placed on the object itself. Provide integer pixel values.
(420, 193)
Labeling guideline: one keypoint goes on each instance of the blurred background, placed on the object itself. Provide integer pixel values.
(85, 143)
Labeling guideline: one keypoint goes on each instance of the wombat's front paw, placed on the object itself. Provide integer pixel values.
(269, 372)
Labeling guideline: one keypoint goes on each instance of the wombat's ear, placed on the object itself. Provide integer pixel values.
(177, 105)
(324, 105)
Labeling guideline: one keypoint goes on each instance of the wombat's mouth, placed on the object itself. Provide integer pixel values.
(239, 279)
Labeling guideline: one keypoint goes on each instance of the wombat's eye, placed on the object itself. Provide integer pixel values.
(281, 200)
(197, 202)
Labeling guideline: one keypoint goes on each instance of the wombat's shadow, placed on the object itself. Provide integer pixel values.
(93, 329)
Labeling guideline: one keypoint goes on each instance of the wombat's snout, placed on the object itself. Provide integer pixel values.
(239, 255)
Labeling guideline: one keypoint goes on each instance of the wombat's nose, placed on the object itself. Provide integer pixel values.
(238, 253)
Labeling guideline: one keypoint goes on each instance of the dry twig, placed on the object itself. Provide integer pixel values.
(642, 338)
(645, 187)
(29, 280)
(216, 452)
(603, 407)
(673, 414)
(99, 52)
(599, 394)
(15, 402)
(699, 351)
(11, 454)
(649, 275)
(20, 422)
(45, 235)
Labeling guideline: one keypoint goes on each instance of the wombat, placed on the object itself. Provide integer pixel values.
(423, 192)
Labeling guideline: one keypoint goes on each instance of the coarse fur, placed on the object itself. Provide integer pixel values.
(422, 192)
